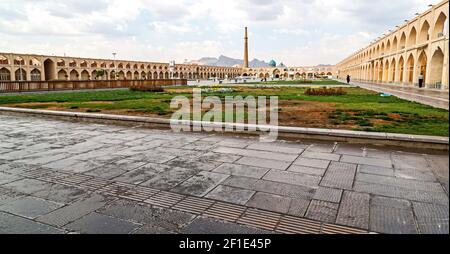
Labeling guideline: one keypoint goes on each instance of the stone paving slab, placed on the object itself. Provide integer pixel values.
(391, 216)
(95, 223)
(169, 178)
(29, 207)
(11, 224)
(264, 163)
(354, 210)
(231, 194)
(200, 184)
(431, 218)
(339, 175)
(241, 170)
(322, 211)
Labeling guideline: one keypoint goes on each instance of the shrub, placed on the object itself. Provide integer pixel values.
(364, 122)
(93, 110)
(325, 91)
(147, 88)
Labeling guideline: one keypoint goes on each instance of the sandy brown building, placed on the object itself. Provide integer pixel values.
(29, 67)
(417, 48)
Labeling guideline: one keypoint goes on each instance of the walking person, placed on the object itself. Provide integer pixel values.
(348, 79)
(420, 80)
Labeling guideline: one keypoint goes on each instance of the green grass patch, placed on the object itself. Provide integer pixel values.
(358, 109)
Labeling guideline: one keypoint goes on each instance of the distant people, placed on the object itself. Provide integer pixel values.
(348, 79)
(421, 80)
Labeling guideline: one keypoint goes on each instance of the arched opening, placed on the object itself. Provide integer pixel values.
(161, 75)
(34, 62)
(441, 26)
(388, 47)
(382, 49)
(4, 60)
(5, 74)
(410, 69)
(129, 75)
(401, 69)
(143, 74)
(166, 75)
(73, 63)
(94, 65)
(83, 64)
(62, 75)
(113, 75)
(393, 66)
(402, 42)
(424, 34)
(386, 71)
(84, 75)
(121, 75)
(20, 75)
(412, 37)
(136, 75)
(49, 69)
(422, 67)
(35, 75)
(74, 75)
(394, 44)
(436, 67)
(380, 72)
(150, 75)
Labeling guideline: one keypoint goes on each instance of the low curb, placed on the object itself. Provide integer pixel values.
(373, 138)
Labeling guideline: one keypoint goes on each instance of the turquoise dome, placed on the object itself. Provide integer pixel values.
(272, 63)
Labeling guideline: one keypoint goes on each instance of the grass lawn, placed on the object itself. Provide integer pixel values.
(359, 109)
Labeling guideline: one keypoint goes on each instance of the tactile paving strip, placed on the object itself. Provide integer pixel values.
(295, 225)
(94, 184)
(201, 206)
(336, 229)
(224, 211)
(194, 205)
(139, 193)
(262, 219)
(165, 199)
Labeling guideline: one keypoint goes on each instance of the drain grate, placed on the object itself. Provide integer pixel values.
(224, 211)
(165, 199)
(295, 225)
(263, 219)
(194, 205)
(336, 229)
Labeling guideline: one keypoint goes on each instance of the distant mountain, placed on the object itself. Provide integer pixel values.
(228, 62)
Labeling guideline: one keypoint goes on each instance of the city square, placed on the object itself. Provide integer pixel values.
(88, 145)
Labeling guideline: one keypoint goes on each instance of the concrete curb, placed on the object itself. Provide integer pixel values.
(403, 140)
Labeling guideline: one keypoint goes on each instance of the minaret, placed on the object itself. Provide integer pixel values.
(246, 49)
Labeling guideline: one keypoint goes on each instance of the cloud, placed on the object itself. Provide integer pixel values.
(298, 32)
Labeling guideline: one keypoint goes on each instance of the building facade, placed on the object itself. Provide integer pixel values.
(29, 67)
(417, 48)
(291, 72)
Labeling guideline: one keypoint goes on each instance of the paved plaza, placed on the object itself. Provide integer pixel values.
(73, 177)
(432, 97)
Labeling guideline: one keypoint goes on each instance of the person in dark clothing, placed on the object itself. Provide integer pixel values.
(348, 79)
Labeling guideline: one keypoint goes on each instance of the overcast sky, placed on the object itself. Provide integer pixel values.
(296, 32)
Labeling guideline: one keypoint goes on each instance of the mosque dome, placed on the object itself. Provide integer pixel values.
(272, 63)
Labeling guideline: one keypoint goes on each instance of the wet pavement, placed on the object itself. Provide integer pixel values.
(432, 97)
(61, 177)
